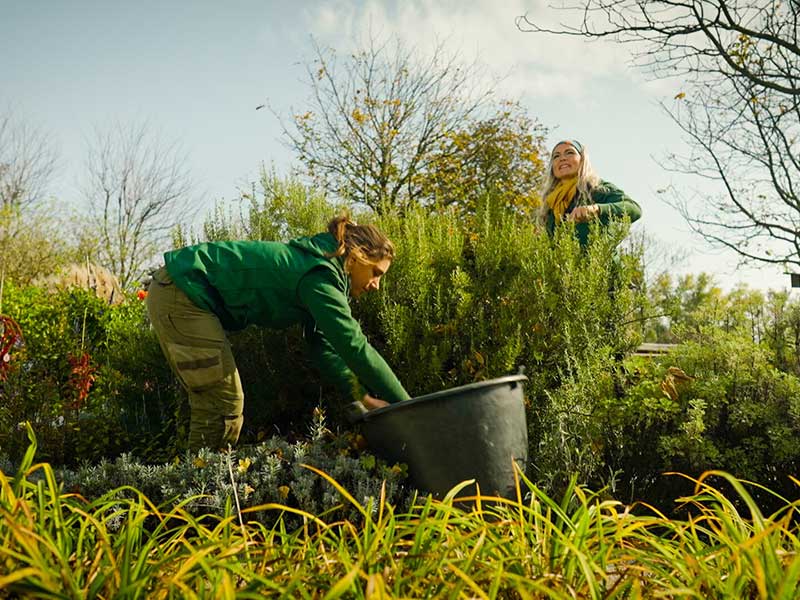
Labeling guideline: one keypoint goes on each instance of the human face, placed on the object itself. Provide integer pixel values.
(566, 161)
(365, 277)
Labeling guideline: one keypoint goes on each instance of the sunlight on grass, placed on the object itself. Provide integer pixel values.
(59, 545)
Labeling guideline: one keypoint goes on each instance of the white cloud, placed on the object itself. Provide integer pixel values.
(533, 65)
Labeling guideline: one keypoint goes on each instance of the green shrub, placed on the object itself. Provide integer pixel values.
(32, 243)
(275, 209)
(464, 301)
(467, 302)
(713, 403)
(129, 395)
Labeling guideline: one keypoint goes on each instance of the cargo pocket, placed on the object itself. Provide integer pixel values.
(233, 426)
(199, 368)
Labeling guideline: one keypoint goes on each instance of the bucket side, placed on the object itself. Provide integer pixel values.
(476, 435)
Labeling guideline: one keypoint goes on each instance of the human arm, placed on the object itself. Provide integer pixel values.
(325, 358)
(612, 202)
(337, 343)
(609, 202)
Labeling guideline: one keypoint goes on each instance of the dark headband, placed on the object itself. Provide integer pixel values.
(578, 146)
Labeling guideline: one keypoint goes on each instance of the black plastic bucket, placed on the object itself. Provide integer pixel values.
(475, 431)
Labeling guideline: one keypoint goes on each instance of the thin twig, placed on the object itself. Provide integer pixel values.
(236, 498)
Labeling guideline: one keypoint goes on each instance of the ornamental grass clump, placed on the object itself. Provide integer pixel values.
(59, 544)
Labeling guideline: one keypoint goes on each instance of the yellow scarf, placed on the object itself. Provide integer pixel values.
(558, 200)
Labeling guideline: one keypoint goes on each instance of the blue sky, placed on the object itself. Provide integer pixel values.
(195, 71)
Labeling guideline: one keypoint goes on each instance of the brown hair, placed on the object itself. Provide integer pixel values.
(365, 243)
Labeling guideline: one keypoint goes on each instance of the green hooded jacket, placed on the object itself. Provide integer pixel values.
(275, 285)
(613, 203)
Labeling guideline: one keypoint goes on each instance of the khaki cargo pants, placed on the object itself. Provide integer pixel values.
(199, 353)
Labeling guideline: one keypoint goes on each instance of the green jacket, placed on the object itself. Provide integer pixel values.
(272, 284)
(613, 203)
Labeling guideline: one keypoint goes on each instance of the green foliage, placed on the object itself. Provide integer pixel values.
(781, 331)
(739, 413)
(462, 304)
(131, 396)
(276, 209)
(469, 297)
(690, 304)
(579, 545)
(714, 403)
(31, 244)
(467, 303)
(502, 155)
(465, 300)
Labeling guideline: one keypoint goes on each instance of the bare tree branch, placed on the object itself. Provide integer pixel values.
(373, 125)
(137, 188)
(739, 107)
(27, 163)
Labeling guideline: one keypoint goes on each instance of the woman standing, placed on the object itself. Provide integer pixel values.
(573, 192)
(208, 289)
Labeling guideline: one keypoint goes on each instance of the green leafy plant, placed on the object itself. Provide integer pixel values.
(89, 376)
(581, 544)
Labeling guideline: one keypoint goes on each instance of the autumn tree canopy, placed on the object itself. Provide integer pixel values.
(388, 126)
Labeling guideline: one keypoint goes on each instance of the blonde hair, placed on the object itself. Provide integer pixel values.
(588, 180)
(365, 243)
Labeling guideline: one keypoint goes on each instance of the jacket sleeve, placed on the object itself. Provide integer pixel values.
(333, 368)
(613, 202)
(338, 345)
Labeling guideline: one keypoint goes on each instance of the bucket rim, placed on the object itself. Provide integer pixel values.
(469, 387)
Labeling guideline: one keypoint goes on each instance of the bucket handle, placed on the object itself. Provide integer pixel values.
(520, 371)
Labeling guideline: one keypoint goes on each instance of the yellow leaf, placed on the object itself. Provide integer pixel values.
(283, 491)
(668, 387)
(679, 375)
(680, 96)
(199, 462)
(675, 376)
(358, 116)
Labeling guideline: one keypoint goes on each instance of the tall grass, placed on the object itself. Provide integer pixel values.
(58, 545)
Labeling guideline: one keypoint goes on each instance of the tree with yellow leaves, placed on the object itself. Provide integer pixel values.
(502, 155)
(390, 127)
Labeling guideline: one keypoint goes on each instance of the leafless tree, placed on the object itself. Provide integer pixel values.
(374, 127)
(738, 68)
(27, 163)
(29, 240)
(137, 188)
